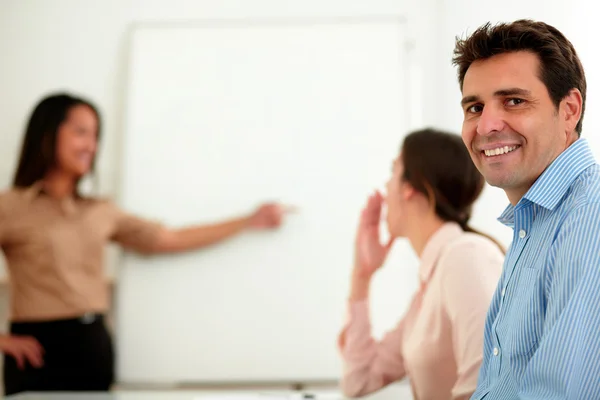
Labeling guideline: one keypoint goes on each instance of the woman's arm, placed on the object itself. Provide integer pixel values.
(150, 238)
(190, 238)
(178, 240)
(369, 365)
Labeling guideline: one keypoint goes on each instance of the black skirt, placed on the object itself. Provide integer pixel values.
(78, 356)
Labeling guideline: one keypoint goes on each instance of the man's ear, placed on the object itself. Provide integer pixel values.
(571, 109)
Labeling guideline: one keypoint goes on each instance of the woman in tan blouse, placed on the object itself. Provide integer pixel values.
(438, 344)
(54, 239)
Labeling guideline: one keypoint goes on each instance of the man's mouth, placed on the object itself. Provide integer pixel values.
(498, 151)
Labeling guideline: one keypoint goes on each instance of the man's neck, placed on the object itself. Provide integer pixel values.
(515, 195)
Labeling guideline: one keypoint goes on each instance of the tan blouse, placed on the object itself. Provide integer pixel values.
(55, 251)
(438, 344)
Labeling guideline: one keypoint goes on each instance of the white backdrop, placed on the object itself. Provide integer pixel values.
(220, 117)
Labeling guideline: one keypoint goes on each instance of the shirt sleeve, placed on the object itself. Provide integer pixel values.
(470, 276)
(566, 364)
(368, 365)
(133, 232)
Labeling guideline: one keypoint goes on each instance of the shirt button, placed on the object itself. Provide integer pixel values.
(496, 351)
(503, 291)
(522, 233)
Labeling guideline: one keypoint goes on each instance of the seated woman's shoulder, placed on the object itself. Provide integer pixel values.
(472, 241)
(467, 254)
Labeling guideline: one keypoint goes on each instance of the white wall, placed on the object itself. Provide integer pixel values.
(81, 46)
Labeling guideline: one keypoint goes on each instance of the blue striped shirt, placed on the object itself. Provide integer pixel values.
(542, 333)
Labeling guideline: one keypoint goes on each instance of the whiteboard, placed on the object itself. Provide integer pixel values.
(221, 117)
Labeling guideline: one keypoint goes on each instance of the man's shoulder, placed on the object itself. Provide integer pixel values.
(579, 210)
(585, 190)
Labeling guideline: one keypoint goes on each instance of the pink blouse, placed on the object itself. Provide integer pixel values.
(438, 344)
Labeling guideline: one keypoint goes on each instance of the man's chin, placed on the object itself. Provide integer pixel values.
(499, 181)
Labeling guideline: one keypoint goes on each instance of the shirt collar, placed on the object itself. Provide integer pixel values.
(434, 247)
(37, 189)
(552, 185)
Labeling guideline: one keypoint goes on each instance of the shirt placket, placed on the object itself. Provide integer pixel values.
(521, 232)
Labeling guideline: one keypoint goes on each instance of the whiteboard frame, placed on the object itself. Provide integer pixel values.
(411, 82)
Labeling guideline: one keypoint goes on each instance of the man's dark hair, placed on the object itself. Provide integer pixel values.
(560, 67)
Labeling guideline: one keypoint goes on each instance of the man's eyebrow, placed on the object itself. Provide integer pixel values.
(498, 93)
(512, 92)
(468, 99)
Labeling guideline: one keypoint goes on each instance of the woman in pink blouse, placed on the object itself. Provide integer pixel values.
(438, 344)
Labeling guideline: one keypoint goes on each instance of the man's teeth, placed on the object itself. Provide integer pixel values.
(500, 150)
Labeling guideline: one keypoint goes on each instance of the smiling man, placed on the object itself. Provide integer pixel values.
(524, 91)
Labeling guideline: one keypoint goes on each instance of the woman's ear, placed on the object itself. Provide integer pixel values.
(407, 190)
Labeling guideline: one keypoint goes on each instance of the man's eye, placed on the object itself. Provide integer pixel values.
(514, 102)
(476, 108)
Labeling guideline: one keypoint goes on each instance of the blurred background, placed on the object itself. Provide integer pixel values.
(211, 106)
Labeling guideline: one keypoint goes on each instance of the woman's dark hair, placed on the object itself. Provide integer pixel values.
(437, 164)
(38, 151)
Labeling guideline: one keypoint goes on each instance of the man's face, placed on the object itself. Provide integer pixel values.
(511, 126)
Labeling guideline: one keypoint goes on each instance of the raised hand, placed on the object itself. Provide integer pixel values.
(370, 252)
